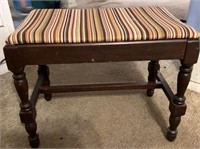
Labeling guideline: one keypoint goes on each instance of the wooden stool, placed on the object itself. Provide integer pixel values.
(63, 36)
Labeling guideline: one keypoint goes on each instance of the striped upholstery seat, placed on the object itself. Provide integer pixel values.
(99, 25)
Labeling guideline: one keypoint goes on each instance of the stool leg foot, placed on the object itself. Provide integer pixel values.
(150, 92)
(171, 135)
(33, 137)
(34, 142)
(48, 97)
(45, 70)
(153, 68)
(27, 112)
(177, 106)
(172, 130)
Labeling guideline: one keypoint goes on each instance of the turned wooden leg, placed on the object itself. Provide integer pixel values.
(27, 112)
(45, 71)
(177, 106)
(153, 68)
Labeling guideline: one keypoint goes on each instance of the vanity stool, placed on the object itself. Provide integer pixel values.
(63, 36)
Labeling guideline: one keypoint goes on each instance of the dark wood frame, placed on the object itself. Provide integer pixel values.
(18, 56)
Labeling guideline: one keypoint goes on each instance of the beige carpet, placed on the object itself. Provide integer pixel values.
(113, 119)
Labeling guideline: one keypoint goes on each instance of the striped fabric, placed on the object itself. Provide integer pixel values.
(99, 25)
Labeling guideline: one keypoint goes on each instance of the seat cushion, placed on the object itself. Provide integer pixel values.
(99, 25)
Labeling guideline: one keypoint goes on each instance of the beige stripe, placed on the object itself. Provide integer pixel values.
(78, 26)
(83, 34)
(74, 26)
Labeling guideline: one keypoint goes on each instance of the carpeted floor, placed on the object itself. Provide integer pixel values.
(178, 7)
(112, 119)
